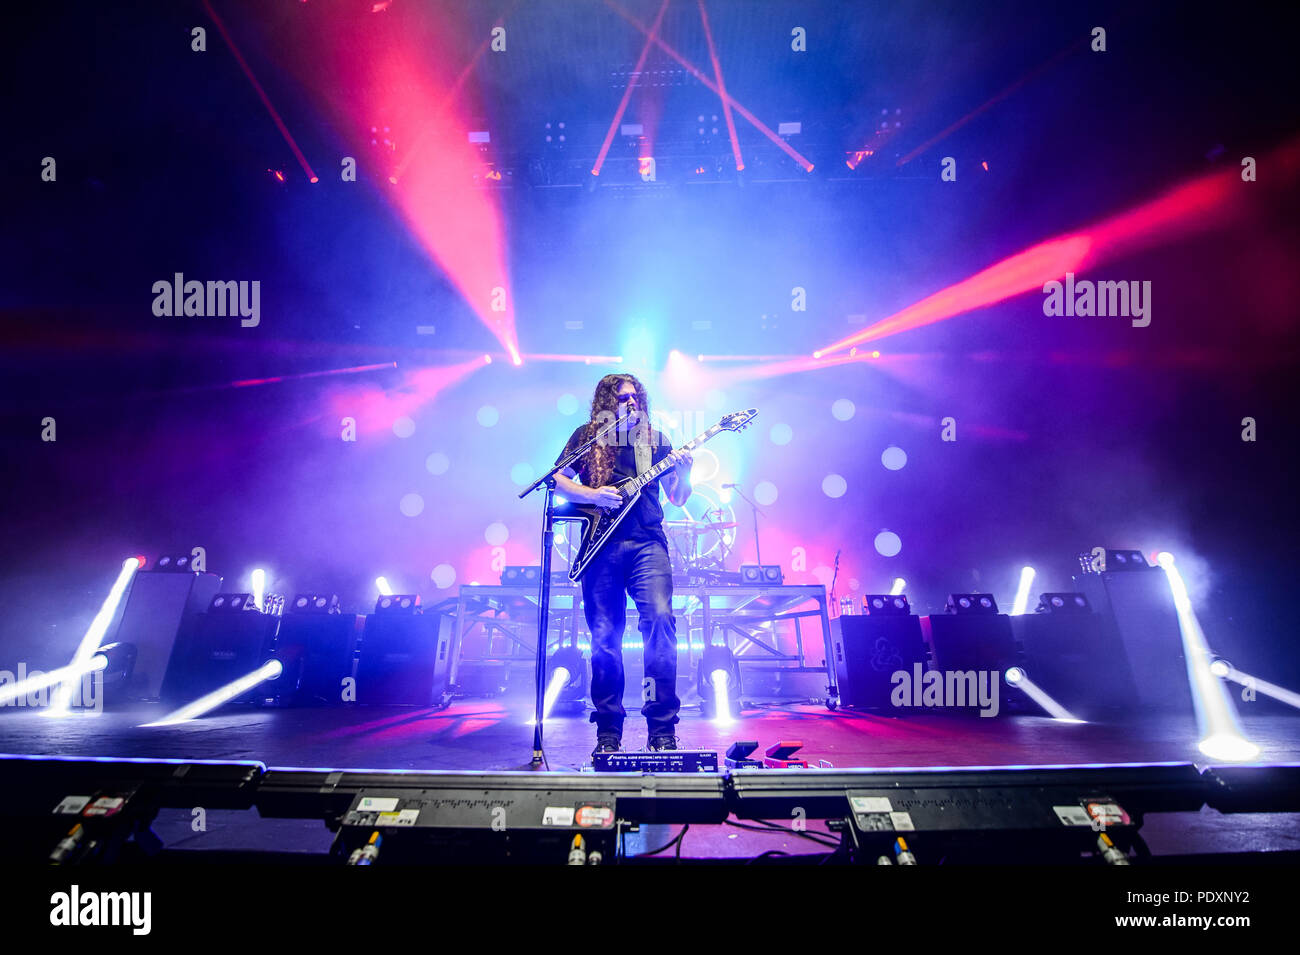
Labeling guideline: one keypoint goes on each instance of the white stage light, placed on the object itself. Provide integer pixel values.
(204, 704)
(1022, 591)
(95, 633)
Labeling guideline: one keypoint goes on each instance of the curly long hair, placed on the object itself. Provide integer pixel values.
(604, 411)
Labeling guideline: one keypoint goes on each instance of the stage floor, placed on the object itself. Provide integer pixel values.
(488, 735)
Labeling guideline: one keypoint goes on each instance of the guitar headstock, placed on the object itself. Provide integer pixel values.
(738, 420)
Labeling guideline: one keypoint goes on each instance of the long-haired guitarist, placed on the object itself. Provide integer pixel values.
(633, 563)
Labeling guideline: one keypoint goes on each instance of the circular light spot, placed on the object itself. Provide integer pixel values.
(522, 473)
(437, 463)
(781, 434)
(894, 458)
(765, 492)
(411, 504)
(444, 575)
(403, 427)
(888, 544)
(704, 467)
(834, 486)
(823, 575)
(855, 584)
(715, 399)
(567, 404)
(843, 409)
(496, 534)
(488, 416)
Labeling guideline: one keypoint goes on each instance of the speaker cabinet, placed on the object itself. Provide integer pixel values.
(975, 641)
(215, 649)
(404, 658)
(1078, 660)
(318, 651)
(1137, 607)
(158, 605)
(868, 650)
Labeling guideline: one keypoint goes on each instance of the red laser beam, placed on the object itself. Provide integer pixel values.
(585, 359)
(1204, 203)
(722, 88)
(1019, 273)
(375, 408)
(358, 369)
(994, 100)
(627, 92)
(266, 101)
(393, 68)
(452, 91)
(708, 83)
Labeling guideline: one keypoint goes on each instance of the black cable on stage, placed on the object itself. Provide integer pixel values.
(764, 855)
(674, 841)
(773, 827)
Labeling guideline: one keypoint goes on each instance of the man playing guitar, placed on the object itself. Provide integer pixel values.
(633, 563)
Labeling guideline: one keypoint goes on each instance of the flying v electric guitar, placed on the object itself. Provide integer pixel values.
(598, 524)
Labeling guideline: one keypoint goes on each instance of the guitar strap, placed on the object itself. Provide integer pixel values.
(643, 454)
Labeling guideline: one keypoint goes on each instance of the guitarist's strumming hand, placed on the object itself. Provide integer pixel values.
(605, 497)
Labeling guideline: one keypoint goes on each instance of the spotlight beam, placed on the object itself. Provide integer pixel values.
(266, 100)
(559, 680)
(94, 635)
(204, 704)
(1041, 697)
(708, 83)
(721, 702)
(627, 91)
(65, 674)
(722, 88)
(1279, 693)
(1022, 591)
(1222, 736)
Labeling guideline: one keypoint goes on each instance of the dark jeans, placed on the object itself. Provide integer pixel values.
(638, 569)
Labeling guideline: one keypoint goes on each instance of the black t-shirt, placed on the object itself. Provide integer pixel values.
(646, 520)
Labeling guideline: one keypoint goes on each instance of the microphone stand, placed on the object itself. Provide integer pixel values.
(544, 597)
(758, 555)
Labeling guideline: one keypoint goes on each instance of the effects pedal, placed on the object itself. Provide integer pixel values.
(666, 761)
(779, 755)
(738, 755)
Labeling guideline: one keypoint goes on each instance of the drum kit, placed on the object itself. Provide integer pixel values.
(687, 542)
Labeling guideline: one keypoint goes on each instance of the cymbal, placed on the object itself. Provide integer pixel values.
(701, 527)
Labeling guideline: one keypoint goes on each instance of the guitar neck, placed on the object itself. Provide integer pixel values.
(641, 480)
